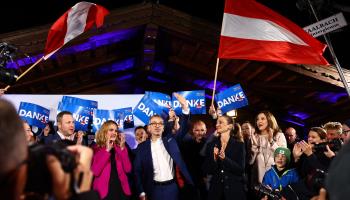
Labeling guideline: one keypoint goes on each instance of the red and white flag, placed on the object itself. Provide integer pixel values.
(252, 31)
(78, 19)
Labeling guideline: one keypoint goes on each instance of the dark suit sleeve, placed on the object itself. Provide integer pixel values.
(236, 164)
(179, 134)
(138, 171)
(184, 127)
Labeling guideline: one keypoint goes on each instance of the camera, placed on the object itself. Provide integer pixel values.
(39, 178)
(7, 52)
(334, 145)
(263, 190)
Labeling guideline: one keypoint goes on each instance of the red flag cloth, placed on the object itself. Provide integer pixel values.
(78, 19)
(252, 31)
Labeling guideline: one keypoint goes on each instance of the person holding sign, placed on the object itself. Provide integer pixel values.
(267, 138)
(224, 160)
(158, 161)
(111, 163)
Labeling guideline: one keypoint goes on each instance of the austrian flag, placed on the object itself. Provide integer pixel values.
(78, 19)
(252, 31)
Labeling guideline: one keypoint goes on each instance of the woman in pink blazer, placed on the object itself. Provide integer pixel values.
(111, 163)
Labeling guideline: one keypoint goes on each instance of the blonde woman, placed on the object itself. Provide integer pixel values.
(111, 163)
(267, 138)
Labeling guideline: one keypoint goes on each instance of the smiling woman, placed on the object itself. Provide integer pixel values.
(267, 138)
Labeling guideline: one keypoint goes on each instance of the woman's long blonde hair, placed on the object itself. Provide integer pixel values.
(101, 137)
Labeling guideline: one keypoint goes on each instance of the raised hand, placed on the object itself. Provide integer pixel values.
(172, 115)
(329, 153)
(121, 138)
(297, 151)
(216, 153)
(222, 154)
(109, 145)
(306, 148)
(182, 101)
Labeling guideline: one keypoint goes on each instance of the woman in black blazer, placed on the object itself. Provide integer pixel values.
(225, 160)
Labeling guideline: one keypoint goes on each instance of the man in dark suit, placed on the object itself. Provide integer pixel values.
(157, 160)
(65, 126)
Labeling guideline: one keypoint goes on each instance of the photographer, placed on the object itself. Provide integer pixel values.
(334, 131)
(14, 165)
(312, 161)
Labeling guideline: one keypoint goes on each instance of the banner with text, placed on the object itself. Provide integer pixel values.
(101, 116)
(326, 25)
(82, 115)
(34, 114)
(163, 100)
(124, 118)
(147, 108)
(81, 102)
(195, 100)
(231, 98)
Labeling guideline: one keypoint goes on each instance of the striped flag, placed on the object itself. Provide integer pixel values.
(78, 19)
(252, 31)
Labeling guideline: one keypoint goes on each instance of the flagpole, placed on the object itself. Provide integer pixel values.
(215, 78)
(334, 57)
(24, 73)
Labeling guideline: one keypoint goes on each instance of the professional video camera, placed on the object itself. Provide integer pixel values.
(334, 145)
(263, 190)
(39, 178)
(7, 53)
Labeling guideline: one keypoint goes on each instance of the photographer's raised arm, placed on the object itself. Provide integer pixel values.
(61, 181)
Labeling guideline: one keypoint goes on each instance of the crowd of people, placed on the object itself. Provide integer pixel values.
(175, 158)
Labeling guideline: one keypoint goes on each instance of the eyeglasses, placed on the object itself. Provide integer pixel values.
(346, 132)
(155, 124)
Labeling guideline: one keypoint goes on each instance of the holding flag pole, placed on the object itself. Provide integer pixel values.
(24, 73)
(215, 79)
(77, 20)
(251, 31)
(334, 57)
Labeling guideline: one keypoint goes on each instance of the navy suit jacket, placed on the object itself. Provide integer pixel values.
(50, 138)
(143, 164)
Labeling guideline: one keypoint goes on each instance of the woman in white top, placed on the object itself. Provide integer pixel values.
(264, 141)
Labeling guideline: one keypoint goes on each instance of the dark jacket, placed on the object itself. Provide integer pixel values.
(227, 175)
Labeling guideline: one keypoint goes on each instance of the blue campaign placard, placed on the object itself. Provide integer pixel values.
(147, 108)
(34, 114)
(231, 98)
(195, 100)
(163, 100)
(101, 116)
(82, 115)
(81, 102)
(125, 118)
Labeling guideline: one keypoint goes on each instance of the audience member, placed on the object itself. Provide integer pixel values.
(13, 167)
(111, 163)
(29, 133)
(65, 128)
(346, 131)
(292, 137)
(265, 141)
(225, 162)
(280, 175)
